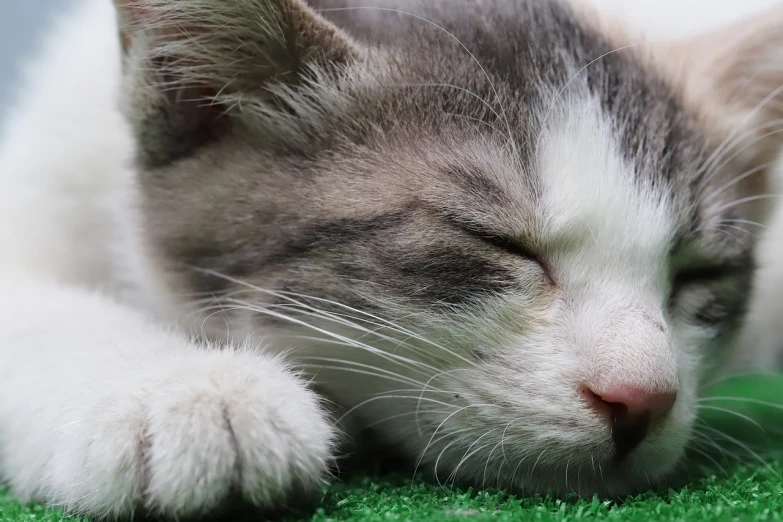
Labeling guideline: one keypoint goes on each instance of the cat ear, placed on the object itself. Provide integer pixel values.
(191, 64)
(739, 67)
(734, 78)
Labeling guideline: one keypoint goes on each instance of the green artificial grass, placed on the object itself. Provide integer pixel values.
(743, 482)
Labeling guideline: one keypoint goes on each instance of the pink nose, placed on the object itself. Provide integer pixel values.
(632, 412)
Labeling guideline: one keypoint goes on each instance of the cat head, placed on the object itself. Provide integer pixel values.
(511, 252)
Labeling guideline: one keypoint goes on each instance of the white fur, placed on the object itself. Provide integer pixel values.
(608, 242)
(614, 237)
(101, 410)
(64, 196)
(105, 413)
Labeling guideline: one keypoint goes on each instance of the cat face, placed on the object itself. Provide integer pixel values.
(516, 269)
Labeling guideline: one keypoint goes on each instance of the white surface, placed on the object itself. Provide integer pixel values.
(21, 24)
(680, 17)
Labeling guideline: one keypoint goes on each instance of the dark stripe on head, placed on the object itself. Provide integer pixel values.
(477, 184)
(248, 260)
(446, 276)
(335, 234)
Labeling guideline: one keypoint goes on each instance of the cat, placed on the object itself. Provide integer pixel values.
(241, 236)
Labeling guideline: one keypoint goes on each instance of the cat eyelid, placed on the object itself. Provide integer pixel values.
(516, 249)
(509, 245)
(705, 273)
(497, 241)
(701, 275)
(696, 275)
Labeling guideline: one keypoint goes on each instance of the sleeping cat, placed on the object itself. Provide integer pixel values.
(260, 231)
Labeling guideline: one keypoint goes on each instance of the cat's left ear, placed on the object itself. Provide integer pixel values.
(194, 69)
(734, 78)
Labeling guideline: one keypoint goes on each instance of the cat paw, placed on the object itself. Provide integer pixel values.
(219, 426)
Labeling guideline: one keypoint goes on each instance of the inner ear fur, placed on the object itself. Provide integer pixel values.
(189, 64)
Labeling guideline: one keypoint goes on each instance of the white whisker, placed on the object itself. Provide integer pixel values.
(742, 446)
(443, 422)
(743, 399)
(468, 454)
(732, 412)
(515, 150)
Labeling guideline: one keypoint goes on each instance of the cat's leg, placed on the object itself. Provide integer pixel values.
(103, 413)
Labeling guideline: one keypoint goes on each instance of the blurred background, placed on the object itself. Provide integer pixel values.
(22, 23)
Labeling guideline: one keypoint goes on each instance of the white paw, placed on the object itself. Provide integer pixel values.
(217, 425)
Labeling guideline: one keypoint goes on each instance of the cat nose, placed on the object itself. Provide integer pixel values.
(632, 412)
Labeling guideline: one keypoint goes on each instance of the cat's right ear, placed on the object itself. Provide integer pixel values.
(193, 67)
(733, 77)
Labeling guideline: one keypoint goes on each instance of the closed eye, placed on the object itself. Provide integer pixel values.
(702, 275)
(514, 248)
(509, 245)
(497, 241)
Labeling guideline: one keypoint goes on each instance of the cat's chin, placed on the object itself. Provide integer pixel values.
(563, 469)
(649, 467)
(634, 475)
(606, 479)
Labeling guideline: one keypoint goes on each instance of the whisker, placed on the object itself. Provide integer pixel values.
(747, 199)
(395, 327)
(424, 388)
(536, 462)
(468, 454)
(500, 470)
(437, 461)
(345, 320)
(375, 372)
(707, 455)
(339, 319)
(727, 233)
(437, 441)
(759, 168)
(458, 88)
(583, 69)
(477, 120)
(401, 360)
(515, 150)
(724, 225)
(286, 296)
(415, 391)
(464, 408)
(742, 399)
(503, 438)
(388, 396)
(401, 415)
(731, 153)
(738, 128)
(732, 412)
(723, 378)
(349, 342)
(744, 447)
(725, 452)
(486, 466)
(728, 150)
(744, 221)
